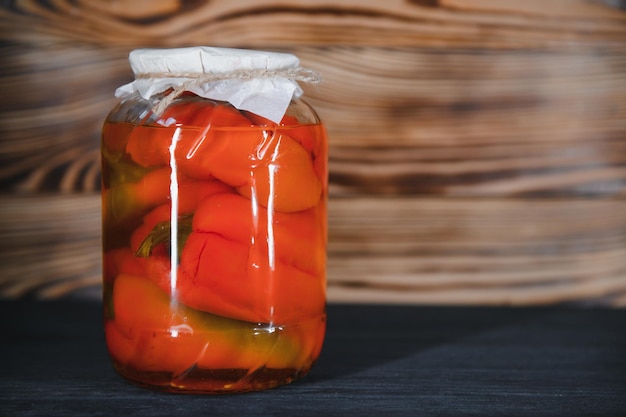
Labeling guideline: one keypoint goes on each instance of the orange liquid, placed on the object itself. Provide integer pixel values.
(214, 254)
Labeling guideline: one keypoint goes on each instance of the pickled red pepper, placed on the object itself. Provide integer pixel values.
(216, 259)
(240, 158)
(236, 274)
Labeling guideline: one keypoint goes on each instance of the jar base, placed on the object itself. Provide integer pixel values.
(217, 381)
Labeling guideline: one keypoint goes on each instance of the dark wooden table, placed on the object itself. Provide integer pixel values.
(377, 360)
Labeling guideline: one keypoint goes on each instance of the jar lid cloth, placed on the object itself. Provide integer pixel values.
(261, 82)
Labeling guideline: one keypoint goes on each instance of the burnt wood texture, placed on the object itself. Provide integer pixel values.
(477, 148)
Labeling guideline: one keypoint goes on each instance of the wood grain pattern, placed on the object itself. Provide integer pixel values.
(487, 251)
(370, 23)
(50, 245)
(478, 147)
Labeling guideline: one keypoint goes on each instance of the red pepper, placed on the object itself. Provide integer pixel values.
(151, 333)
(296, 239)
(218, 141)
(304, 137)
(149, 145)
(121, 260)
(281, 176)
(255, 268)
(128, 201)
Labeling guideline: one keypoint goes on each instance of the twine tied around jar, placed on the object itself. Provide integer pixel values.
(305, 75)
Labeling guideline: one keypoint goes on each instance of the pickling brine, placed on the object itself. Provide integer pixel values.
(214, 237)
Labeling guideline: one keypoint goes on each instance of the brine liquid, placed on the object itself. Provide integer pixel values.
(255, 373)
(214, 254)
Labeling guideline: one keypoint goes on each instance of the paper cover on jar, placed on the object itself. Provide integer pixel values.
(261, 82)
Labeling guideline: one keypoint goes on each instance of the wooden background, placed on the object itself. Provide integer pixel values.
(478, 147)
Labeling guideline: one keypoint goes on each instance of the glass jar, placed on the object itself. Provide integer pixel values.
(214, 241)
